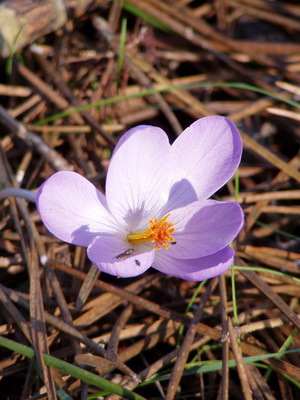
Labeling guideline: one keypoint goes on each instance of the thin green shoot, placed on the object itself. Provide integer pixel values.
(149, 92)
(9, 62)
(72, 370)
(216, 365)
(98, 395)
(188, 308)
(146, 17)
(122, 47)
(283, 348)
(268, 271)
(275, 230)
(208, 347)
(233, 287)
(236, 186)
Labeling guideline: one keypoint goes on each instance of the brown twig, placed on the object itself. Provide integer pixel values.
(239, 363)
(187, 342)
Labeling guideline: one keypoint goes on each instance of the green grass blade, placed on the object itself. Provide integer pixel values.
(9, 62)
(72, 370)
(275, 230)
(122, 47)
(216, 365)
(189, 306)
(268, 271)
(146, 17)
(234, 299)
(283, 348)
(149, 92)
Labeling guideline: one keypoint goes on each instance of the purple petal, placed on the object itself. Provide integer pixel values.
(134, 173)
(202, 159)
(73, 209)
(108, 253)
(204, 228)
(198, 269)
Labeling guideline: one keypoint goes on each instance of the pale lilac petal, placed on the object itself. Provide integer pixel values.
(106, 253)
(204, 228)
(202, 159)
(147, 178)
(73, 209)
(134, 175)
(198, 269)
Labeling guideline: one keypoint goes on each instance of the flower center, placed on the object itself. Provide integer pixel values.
(159, 231)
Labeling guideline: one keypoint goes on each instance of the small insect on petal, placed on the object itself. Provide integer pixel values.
(126, 253)
(137, 262)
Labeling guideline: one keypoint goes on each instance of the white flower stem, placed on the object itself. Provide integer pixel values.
(15, 192)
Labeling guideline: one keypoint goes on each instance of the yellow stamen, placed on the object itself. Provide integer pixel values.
(159, 231)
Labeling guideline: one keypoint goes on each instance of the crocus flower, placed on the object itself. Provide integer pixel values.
(156, 211)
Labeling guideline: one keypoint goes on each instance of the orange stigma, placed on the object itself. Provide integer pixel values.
(159, 231)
